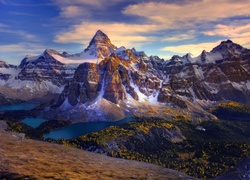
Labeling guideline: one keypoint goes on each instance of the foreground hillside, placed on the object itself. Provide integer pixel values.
(203, 151)
(29, 159)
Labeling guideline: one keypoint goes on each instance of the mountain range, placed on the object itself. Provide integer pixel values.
(108, 83)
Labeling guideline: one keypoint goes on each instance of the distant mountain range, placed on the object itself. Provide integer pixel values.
(109, 83)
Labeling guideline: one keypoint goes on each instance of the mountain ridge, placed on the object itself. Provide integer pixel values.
(126, 78)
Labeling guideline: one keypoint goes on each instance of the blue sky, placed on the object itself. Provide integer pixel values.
(158, 27)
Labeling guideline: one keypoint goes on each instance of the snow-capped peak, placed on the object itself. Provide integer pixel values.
(50, 52)
(2, 61)
(227, 48)
(99, 47)
(120, 49)
(101, 38)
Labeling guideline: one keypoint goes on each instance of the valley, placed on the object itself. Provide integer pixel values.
(203, 150)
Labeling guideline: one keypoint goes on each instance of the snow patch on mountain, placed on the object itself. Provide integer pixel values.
(10, 71)
(34, 86)
(76, 59)
(30, 58)
(66, 105)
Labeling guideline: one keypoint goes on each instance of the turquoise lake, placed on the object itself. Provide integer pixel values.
(22, 106)
(33, 122)
(68, 132)
(79, 129)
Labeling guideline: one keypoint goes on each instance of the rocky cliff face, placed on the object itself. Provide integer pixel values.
(6, 70)
(84, 86)
(241, 171)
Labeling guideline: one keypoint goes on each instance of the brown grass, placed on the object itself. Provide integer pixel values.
(40, 160)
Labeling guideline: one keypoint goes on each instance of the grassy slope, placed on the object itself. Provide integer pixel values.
(40, 160)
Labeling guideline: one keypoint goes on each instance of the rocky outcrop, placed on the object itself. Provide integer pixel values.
(165, 96)
(124, 73)
(241, 171)
(84, 87)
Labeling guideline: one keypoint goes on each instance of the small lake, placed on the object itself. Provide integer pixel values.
(33, 122)
(22, 106)
(71, 131)
(79, 129)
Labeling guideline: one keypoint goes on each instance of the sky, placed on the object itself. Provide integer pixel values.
(157, 27)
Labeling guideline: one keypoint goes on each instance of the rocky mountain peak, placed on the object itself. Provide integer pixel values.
(65, 54)
(227, 48)
(100, 46)
(101, 38)
(47, 56)
(50, 52)
(203, 55)
(2, 63)
(175, 57)
(187, 57)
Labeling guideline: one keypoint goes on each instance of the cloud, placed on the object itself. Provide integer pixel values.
(73, 11)
(20, 33)
(63, 3)
(21, 13)
(188, 14)
(236, 32)
(11, 3)
(119, 33)
(3, 2)
(3, 25)
(22, 48)
(93, 3)
(181, 37)
(23, 34)
(14, 53)
(194, 49)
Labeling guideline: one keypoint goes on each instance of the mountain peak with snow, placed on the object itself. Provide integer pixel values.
(101, 38)
(120, 77)
(227, 48)
(100, 46)
(51, 51)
